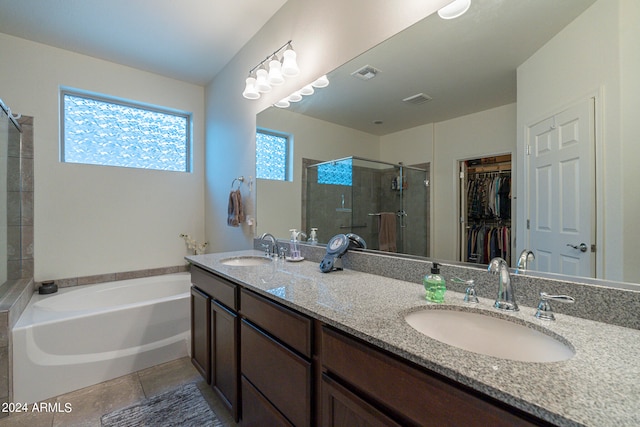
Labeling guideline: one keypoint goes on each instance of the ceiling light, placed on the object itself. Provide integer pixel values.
(454, 9)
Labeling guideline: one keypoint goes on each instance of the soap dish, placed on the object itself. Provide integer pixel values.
(296, 259)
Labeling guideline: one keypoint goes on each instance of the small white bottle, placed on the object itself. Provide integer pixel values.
(313, 237)
(294, 251)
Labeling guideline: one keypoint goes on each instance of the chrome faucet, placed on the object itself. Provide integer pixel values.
(506, 299)
(272, 249)
(526, 256)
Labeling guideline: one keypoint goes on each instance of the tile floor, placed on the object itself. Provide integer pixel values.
(90, 403)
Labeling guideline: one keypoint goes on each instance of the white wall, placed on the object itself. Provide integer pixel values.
(582, 60)
(324, 37)
(280, 202)
(91, 219)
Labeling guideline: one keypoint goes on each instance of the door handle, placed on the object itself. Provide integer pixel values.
(581, 247)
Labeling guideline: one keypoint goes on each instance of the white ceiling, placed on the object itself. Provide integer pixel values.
(466, 65)
(190, 40)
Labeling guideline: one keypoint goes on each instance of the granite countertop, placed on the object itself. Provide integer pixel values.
(599, 386)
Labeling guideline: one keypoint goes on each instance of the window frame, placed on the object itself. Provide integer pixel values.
(131, 104)
(288, 161)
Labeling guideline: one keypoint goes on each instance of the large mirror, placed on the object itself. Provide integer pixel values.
(493, 83)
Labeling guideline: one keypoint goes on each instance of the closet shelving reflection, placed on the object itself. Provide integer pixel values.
(486, 209)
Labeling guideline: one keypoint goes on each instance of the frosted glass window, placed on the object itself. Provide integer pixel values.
(101, 131)
(336, 173)
(272, 156)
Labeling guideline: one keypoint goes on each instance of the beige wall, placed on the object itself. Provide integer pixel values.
(91, 219)
(481, 134)
(597, 54)
(443, 144)
(324, 37)
(630, 135)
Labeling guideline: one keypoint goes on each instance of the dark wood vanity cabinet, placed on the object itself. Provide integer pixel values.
(275, 363)
(214, 335)
(376, 389)
(200, 332)
(282, 368)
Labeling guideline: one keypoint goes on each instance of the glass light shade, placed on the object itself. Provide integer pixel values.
(454, 9)
(289, 65)
(262, 84)
(283, 103)
(321, 82)
(275, 73)
(307, 90)
(295, 96)
(250, 91)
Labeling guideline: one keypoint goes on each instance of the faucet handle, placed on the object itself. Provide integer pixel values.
(266, 248)
(282, 251)
(545, 312)
(470, 293)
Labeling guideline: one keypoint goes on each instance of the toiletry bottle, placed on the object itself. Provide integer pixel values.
(435, 285)
(294, 251)
(313, 238)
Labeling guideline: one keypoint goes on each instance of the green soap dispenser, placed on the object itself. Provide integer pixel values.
(435, 285)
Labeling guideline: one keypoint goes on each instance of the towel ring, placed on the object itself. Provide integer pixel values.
(240, 180)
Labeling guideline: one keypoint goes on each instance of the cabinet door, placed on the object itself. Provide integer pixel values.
(258, 411)
(224, 356)
(200, 333)
(283, 377)
(341, 408)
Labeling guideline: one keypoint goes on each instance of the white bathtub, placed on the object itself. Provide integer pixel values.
(84, 335)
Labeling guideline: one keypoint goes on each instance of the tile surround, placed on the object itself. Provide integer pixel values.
(18, 289)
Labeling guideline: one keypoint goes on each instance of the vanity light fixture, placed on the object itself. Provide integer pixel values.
(321, 82)
(307, 90)
(295, 96)
(261, 80)
(454, 9)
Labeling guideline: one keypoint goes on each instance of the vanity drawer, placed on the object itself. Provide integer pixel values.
(418, 397)
(288, 326)
(280, 375)
(216, 287)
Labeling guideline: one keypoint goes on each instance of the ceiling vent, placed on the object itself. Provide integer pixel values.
(365, 73)
(418, 99)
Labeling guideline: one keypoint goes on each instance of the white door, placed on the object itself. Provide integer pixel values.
(561, 190)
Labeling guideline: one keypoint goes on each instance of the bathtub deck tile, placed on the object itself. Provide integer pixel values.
(99, 278)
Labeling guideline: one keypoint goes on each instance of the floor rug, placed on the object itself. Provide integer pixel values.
(180, 407)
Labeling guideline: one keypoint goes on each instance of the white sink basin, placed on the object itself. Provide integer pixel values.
(488, 335)
(246, 261)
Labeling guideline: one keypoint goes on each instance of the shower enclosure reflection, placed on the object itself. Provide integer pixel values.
(386, 204)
